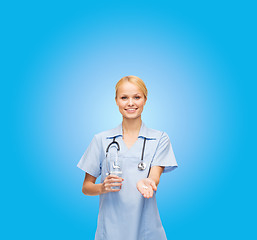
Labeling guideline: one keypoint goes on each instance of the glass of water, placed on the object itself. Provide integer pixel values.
(115, 166)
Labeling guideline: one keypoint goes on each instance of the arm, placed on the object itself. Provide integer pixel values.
(148, 185)
(155, 174)
(90, 188)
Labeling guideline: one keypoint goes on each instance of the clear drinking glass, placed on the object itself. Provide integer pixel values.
(115, 166)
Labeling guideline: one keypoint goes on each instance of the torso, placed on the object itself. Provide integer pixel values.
(114, 208)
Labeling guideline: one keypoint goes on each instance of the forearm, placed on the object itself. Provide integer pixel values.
(92, 189)
(155, 174)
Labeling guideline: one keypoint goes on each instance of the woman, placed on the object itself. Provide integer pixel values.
(129, 212)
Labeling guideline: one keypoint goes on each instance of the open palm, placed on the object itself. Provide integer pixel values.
(146, 187)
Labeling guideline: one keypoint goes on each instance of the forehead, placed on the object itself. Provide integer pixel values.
(129, 88)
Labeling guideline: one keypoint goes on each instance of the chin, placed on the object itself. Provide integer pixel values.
(131, 117)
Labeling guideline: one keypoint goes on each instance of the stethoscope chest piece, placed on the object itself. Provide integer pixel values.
(141, 166)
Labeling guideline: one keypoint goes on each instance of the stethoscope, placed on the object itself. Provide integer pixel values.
(141, 166)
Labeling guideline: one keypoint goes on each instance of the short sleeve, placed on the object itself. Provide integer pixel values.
(90, 162)
(164, 155)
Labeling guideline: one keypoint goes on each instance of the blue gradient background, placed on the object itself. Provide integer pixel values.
(60, 62)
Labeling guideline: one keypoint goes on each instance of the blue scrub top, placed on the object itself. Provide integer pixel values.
(127, 215)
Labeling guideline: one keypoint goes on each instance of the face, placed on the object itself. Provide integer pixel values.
(130, 100)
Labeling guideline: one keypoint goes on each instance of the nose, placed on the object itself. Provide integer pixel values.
(131, 103)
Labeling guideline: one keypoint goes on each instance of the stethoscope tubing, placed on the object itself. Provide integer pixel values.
(141, 165)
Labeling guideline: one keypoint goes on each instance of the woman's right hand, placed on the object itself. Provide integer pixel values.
(111, 181)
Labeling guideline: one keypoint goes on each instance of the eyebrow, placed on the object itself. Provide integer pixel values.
(133, 94)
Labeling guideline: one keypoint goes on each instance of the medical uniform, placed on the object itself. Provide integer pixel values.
(127, 215)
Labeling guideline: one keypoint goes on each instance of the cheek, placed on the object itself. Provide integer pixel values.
(121, 105)
(141, 104)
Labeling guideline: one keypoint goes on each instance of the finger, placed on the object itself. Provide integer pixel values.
(109, 185)
(111, 177)
(115, 190)
(142, 191)
(150, 192)
(139, 189)
(111, 189)
(116, 184)
(147, 194)
(113, 181)
(153, 185)
(114, 176)
(147, 191)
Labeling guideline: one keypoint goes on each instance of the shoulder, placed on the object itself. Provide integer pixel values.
(158, 137)
(158, 134)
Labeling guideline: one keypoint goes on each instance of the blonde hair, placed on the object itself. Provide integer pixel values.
(132, 79)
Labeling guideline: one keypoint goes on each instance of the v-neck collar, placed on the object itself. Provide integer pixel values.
(125, 145)
(144, 132)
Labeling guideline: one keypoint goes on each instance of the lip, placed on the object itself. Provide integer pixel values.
(131, 111)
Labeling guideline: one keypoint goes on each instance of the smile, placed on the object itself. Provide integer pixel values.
(131, 110)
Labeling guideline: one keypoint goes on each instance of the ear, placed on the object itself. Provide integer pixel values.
(145, 100)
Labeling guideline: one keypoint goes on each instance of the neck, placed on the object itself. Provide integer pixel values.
(131, 126)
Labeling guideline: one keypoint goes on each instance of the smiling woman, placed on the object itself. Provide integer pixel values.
(130, 98)
(127, 199)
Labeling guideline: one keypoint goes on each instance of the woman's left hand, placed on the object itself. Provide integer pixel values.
(146, 187)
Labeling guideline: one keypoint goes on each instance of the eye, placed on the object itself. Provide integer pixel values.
(137, 97)
(123, 97)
